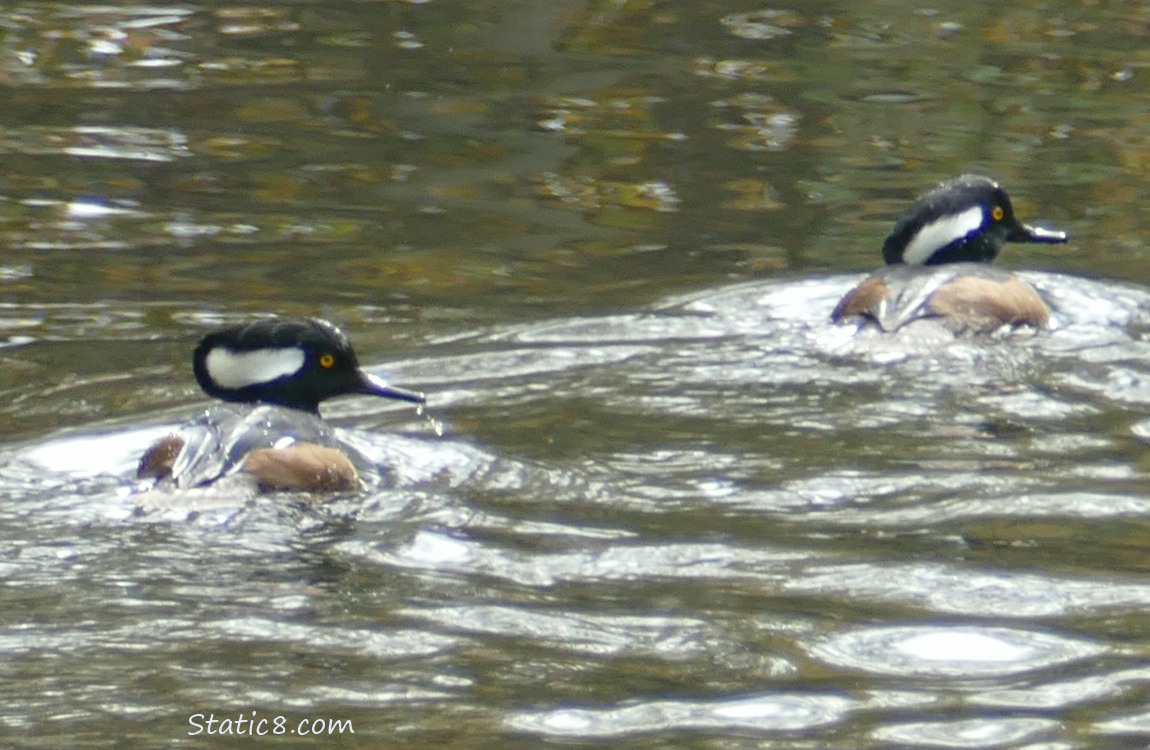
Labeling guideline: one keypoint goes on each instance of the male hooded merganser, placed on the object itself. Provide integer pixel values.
(957, 229)
(274, 373)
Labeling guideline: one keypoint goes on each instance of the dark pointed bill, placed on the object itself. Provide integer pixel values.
(1027, 233)
(373, 386)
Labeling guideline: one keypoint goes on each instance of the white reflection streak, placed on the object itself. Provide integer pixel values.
(767, 712)
(140, 144)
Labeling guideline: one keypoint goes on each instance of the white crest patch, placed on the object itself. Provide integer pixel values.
(940, 233)
(239, 369)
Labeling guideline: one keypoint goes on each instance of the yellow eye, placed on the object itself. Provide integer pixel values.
(997, 213)
(326, 361)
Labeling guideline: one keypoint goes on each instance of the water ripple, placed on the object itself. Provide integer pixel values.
(769, 713)
(950, 652)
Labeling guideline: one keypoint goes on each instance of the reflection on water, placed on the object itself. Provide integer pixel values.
(771, 713)
(741, 520)
(654, 516)
(958, 653)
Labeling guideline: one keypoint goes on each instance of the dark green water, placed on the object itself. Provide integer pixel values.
(671, 506)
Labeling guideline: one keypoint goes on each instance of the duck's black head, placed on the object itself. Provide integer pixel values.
(293, 362)
(966, 219)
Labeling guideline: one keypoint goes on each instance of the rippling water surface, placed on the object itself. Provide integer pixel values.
(658, 499)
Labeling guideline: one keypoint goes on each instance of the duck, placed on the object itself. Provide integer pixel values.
(270, 377)
(939, 266)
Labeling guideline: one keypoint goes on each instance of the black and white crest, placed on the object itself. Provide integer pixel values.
(966, 219)
(294, 362)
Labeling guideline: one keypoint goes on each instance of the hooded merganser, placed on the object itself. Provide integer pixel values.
(959, 227)
(274, 373)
